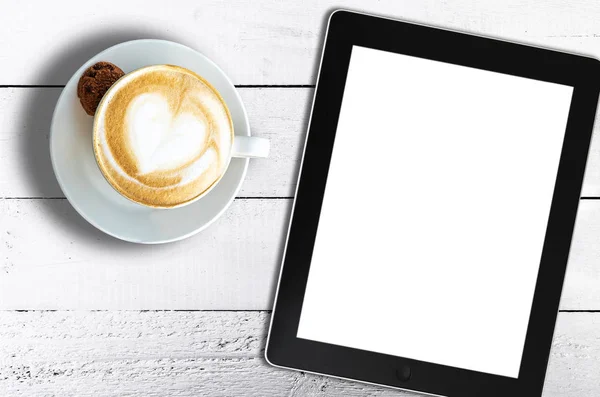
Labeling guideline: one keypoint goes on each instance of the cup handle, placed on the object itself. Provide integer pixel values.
(250, 146)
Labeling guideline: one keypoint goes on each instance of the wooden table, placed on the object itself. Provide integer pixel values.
(87, 315)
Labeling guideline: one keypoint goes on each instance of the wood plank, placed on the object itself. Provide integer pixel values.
(591, 182)
(266, 42)
(50, 258)
(278, 114)
(210, 353)
(581, 288)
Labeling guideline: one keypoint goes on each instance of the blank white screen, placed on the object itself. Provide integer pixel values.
(435, 212)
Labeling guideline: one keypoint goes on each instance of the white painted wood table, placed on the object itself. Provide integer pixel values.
(84, 314)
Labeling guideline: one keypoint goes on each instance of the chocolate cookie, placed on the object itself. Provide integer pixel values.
(94, 83)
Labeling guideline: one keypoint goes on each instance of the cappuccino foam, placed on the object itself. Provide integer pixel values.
(163, 136)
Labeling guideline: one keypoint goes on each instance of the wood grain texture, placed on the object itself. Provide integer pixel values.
(279, 114)
(264, 42)
(210, 353)
(591, 182)
(50, 258)
(25, 114)
(581, 289)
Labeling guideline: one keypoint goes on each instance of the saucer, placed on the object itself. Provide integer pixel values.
(82, 182)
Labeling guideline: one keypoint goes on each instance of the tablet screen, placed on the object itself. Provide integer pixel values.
(435, 211)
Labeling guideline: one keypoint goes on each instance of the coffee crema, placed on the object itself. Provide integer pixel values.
(162, 136)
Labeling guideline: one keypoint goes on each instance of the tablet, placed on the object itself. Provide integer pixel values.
(434, 211)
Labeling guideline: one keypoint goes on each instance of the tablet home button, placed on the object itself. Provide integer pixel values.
(403, 373)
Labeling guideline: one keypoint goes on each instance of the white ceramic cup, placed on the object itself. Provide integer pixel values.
(242, 146)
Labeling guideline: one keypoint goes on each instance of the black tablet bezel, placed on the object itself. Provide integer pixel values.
(345, 30)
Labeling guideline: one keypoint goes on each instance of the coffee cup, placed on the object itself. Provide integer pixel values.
(163, 137)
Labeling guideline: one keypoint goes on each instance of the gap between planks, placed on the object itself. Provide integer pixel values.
(237, 198)
(199, 310)
(236, 86)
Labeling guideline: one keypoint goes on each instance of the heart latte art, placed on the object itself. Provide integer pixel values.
(162, 136)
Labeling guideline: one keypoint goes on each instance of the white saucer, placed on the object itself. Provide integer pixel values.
(90, 194)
